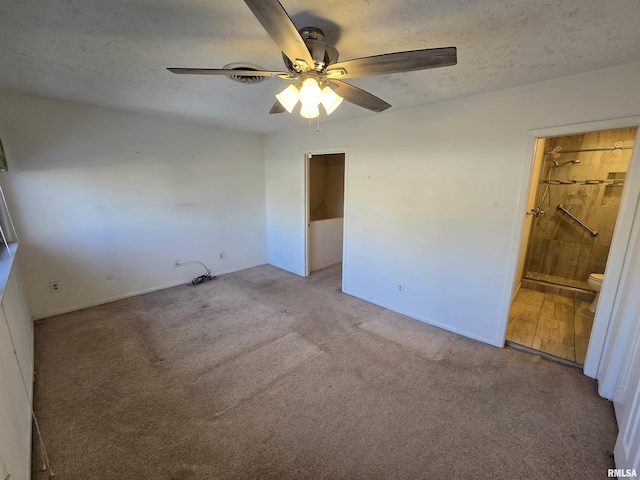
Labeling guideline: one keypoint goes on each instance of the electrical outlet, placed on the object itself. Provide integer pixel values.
(176, 264)
(54, 287)
(221, 256)
(401, 288)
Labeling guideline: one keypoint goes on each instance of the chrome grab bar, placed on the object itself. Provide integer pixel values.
(592, 232)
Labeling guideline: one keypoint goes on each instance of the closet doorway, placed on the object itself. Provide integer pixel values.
(325, 210)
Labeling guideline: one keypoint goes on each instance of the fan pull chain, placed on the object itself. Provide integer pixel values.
(309, 155)
(309, 139)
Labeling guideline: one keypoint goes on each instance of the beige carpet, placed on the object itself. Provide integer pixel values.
(263, 374)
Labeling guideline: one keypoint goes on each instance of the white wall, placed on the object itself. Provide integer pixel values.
(97, 192)
(325, 243)
(15, 400)
(436, 195)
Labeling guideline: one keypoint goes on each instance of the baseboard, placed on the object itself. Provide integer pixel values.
(41, 316)
(429, 321)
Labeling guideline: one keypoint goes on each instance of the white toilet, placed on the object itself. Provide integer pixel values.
(595, 282)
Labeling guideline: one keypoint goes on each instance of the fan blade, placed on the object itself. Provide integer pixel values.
(359, 97)
(277, 108)
(275, 20)
(227, 71)
(397, 62)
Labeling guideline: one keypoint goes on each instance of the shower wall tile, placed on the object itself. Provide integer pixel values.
(586, 252)
(603, 226)
(577, 195)
(565, 271)
(550, 261)
(612, 195)
(570, 253)
(612, 160)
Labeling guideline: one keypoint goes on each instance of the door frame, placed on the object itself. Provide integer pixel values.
(600, 339)
(325, 151)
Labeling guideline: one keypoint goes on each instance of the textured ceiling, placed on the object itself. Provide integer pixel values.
(114, 53)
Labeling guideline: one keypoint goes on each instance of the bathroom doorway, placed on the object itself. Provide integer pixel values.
(574, 197)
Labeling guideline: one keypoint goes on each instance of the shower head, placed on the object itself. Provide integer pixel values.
(568, 162)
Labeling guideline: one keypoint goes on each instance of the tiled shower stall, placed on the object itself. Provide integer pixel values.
(561, 251)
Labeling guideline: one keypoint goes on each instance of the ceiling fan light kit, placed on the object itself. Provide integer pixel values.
(289, 97)
(309, 94)
(330, 99)
(314, 66)
(309, 111)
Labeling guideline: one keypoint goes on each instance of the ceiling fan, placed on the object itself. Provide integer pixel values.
(313, 65)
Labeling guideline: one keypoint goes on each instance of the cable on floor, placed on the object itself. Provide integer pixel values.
(201, 278)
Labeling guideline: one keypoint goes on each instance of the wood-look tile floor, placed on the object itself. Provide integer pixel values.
(550, 323)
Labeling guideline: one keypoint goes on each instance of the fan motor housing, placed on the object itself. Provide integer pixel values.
(322, 53)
